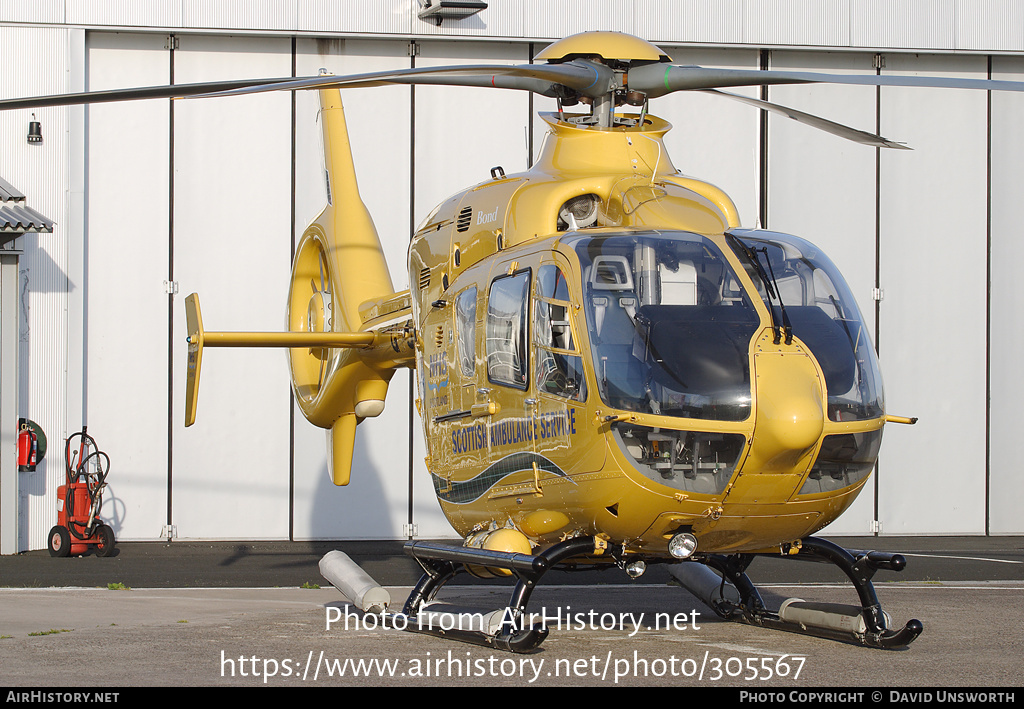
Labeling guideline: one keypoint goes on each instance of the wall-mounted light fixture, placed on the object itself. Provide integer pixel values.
(35, 131)
(438, 10)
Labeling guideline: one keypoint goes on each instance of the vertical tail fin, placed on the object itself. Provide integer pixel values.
(359, 269)
(340, 369)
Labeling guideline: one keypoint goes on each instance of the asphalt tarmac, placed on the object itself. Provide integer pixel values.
(187, 614)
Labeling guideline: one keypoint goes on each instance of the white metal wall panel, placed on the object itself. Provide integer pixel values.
(38, 62)
(923, 24)
(454, 152)
(126, 266)
(366, 16)
(822, 188)
(498, 20)
(375, 503)
(933, 271)
(713, 137)
(1007, 302)
(797, 22)
(249, 15)
(232, 166)
(123, 13)
(940, 25)
(77, 299)
(991, 26)
(561, 18)
(41, 11)
(464, 132)
(699, 21)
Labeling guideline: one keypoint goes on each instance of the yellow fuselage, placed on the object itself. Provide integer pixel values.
(507, 452)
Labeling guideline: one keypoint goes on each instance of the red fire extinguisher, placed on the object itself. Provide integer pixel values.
(30, 449)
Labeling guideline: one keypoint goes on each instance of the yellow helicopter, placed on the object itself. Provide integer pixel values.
(611, 371)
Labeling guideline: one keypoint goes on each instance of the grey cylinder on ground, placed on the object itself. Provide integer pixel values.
(354, 583)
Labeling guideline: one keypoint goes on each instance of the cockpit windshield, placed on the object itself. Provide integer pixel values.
(813, 296)
(670, 325)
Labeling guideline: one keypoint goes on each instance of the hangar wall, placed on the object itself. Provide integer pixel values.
(209, 197)
(50, 288)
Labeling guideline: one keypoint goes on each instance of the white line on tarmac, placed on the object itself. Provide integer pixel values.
(915, 585)
(965, 558)
(748, 649)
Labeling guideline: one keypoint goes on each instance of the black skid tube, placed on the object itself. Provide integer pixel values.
(515, 641)
(442, 562)
(859, 567)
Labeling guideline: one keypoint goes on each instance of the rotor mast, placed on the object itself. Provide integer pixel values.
(609, 55)
(603, 108)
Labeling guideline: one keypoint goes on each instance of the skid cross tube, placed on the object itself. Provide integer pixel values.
(441, 563)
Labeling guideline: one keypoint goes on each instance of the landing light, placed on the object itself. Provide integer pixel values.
(635, 569)
(682, 545)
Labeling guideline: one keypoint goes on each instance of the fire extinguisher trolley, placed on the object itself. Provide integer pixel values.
(79, 500)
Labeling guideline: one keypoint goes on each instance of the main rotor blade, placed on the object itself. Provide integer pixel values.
(586, 78)
(137, 94)
(857, 136)
(583, 77)
(660, 79)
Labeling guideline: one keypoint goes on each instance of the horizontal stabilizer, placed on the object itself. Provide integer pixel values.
(198, 338)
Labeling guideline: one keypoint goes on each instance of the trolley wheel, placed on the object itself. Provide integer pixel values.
(105, 534)
(59, 541)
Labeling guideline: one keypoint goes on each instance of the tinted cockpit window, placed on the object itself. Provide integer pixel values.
(823, 314)
(669, 325)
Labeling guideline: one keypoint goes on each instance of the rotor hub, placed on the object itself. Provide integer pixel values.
(316, 313)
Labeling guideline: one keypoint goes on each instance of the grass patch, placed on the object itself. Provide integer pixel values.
(51, 631)
(310, 585)
(118, 587)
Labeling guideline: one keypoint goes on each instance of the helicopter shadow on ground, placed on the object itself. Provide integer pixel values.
(621, 601)
(363, 509)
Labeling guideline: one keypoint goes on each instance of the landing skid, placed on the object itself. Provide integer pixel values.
(732, 595)
(729, 592)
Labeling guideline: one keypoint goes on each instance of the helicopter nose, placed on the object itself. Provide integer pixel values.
(789, 412)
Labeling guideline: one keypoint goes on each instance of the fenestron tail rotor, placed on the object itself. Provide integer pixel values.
(323, 304)
(311, 309)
